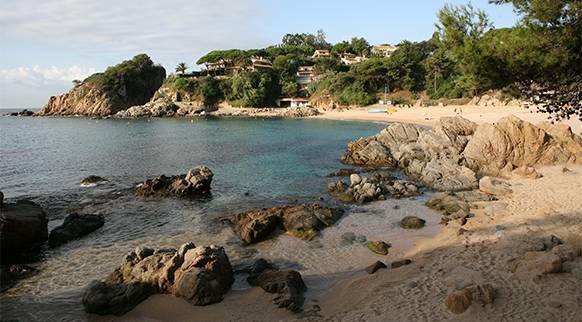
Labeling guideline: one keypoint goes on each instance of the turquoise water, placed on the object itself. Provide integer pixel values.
(256, 162)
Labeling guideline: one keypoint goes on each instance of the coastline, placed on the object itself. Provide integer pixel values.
(491, 241)
(430, 115)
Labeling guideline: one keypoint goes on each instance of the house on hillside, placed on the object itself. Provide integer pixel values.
(321, 53)
(349, 58)
(383, 50)
(292, 102)
(260, 63)
(221, 67)
(304, 76)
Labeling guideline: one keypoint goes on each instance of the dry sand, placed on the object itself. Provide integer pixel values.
(429, 115)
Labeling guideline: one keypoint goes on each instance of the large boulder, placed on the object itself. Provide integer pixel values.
(193, 184)
(23, 226)
(73, 227)
(287, 284)
(133, 82)
(459, 301)
(201, 275)
(303, 221)
(496, 149)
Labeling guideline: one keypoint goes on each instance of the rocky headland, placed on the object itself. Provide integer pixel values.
(133, 82)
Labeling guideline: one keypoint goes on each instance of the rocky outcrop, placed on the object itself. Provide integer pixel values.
(24, 112)
(200, 275)
(297, 112)
(133, 82)
(376, 187)
(23, 226)
(430, 156)
(75, 226)
(92, 180)
(456, 151)
(497, 149)
(158, 108)
(287, 284)
(494, 186)
(193, 184)
(303, 221)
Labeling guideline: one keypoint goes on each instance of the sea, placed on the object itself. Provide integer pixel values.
(256, 163)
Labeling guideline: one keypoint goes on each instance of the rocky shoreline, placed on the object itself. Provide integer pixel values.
(470, 165)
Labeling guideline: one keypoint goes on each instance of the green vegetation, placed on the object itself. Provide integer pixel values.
(466, 56)
(134, 78)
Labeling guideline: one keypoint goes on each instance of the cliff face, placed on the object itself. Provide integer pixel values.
(130, 83)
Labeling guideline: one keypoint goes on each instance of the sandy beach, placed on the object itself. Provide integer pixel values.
(500, 233)
(429, 115)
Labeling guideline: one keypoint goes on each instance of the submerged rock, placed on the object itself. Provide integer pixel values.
(10, 274)
(75, 226)
(378, 247)
(195, 183)
(287, 284)
(375, 267)
(201, 275)
(303, 221)
(23, 226)
(400, 263)
(92, 179)
(412, 222)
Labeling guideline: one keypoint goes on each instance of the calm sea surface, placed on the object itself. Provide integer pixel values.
(256, 162)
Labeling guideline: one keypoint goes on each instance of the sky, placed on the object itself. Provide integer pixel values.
(44, 45)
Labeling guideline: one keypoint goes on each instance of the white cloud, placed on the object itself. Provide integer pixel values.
(38, 76)
(144, 25)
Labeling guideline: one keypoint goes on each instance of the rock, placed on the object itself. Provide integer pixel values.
(75, 226)
(566, 252)
(375, 267)
(303, 221)
(23, 226)
(538, 263)
(12, 273)
(200, 275)
(302, 111)
(526, 172)
(378, 247)
(111, 298)
(193, 184)
(287, 284)
(494, 186)
(449, 204)
(24, 112)
(157, 108)
(511, 143)
(347, 238)
(130, 83)
(459, 301)
(355, 179)
(550, 242)
(400, 263)
(343, 172)
(92, 180)
(412, 222)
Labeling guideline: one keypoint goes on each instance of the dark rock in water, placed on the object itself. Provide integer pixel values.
(11, 274)
(375, 267)
(347, 238)
(344, 172)
(92, 180)
(195, 183)
(288, 284)
(24, 112)
(23, 226)
(303, 221)
(378, 247)
(112, 298)
(412, 222)
(200, 275)
(73, 227)
(400, 263)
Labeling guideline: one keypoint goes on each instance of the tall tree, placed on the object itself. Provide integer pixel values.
(181, 68)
